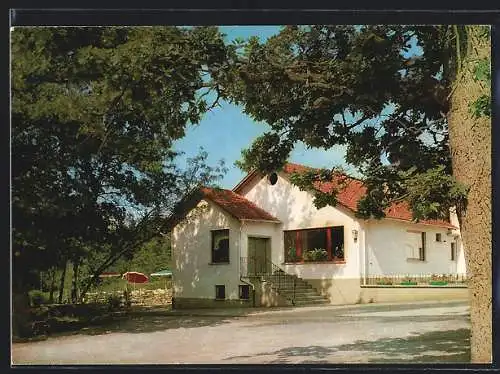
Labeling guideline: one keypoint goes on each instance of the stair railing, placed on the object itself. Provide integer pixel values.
(258, 267)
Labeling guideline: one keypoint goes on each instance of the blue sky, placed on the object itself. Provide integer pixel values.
(226, 130)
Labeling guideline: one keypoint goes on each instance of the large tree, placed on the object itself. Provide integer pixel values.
(409, 103)
(95, 112)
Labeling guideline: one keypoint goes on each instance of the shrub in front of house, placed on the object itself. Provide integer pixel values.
(37, 298)
(384, 281)
(439, 280)
(408, 281)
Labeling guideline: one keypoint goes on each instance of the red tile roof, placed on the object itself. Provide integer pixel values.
(237, 205)
(352, 190)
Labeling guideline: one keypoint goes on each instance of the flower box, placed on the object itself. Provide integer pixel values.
(438, 283)
(408, 283)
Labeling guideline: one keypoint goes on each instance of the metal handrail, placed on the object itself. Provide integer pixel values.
(263, 268)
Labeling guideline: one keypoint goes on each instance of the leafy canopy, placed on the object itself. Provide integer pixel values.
(94, 114)
(381, 91)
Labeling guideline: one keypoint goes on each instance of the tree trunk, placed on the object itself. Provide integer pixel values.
(20, 308)
(61, 283)
(74, 285)
(470, 144)
(52, 285)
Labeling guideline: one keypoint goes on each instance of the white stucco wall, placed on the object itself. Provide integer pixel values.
(386, 241)
(295, 209)
(194, 276)
(262, 230)
(388, 246)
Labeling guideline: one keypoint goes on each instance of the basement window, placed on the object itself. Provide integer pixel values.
(244, 292)
(220, 292)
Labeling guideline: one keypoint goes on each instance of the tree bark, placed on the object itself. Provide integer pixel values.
(470, 144)
(52, 285)
(61, 284)
(74, 285)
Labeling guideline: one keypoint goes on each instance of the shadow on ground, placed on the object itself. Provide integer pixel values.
(433, 347)
(152, 321)
(144, 324)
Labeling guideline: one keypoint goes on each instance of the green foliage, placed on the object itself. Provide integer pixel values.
(366, 89)
(292, 255)
(153, 256)
(481, 107)
(482, 71)
(114, 301)
(37, 298)
(317, 254)
(95, 111)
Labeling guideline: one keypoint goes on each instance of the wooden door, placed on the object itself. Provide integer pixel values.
(259, 256)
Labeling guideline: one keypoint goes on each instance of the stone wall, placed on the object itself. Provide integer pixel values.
(160, 296)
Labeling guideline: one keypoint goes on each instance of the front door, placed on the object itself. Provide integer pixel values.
(259, 256)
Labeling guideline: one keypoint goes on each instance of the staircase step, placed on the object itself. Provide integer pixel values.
(311, 302)
(297, 291)
(304, 291)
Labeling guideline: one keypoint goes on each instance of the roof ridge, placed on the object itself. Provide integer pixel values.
(229, 195)
(315, 168)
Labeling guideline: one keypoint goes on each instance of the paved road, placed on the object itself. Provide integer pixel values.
(437, 332)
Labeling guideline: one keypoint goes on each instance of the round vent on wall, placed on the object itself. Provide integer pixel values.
(272, 178)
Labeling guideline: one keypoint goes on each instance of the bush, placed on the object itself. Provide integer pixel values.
(37, 298)
(114, 301)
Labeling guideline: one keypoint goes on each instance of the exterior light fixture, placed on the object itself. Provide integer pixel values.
(355, 235)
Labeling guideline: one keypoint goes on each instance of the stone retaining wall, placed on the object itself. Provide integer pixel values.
(160, 296)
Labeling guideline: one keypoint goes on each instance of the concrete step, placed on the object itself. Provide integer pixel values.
(312, 302)
(309, 297)
(294, 288)
(290, 287)
(304, 292)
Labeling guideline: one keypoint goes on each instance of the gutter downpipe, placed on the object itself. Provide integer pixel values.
(239, 265)
(365, 254)
(361, 248)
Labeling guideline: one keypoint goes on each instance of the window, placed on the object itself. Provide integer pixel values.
(421, 250)
(220, 292)
(416, 245)
(438, 237)
(321, 244)
(453, 251)
(220, 246)
(272, 179)
(244, 291)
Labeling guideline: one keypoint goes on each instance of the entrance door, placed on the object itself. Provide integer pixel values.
(259, 256)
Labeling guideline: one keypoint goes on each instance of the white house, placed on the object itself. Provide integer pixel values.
(265, 243)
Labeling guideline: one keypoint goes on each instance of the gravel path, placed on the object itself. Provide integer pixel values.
(437, 332)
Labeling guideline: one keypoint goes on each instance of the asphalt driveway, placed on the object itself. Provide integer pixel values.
(374, 333)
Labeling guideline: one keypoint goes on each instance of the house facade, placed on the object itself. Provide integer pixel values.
(265, 243)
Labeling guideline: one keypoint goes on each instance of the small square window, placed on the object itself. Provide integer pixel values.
(220, 292)
(244, 291)
(438, 237)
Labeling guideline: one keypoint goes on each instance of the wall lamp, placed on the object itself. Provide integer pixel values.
(355, 235)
